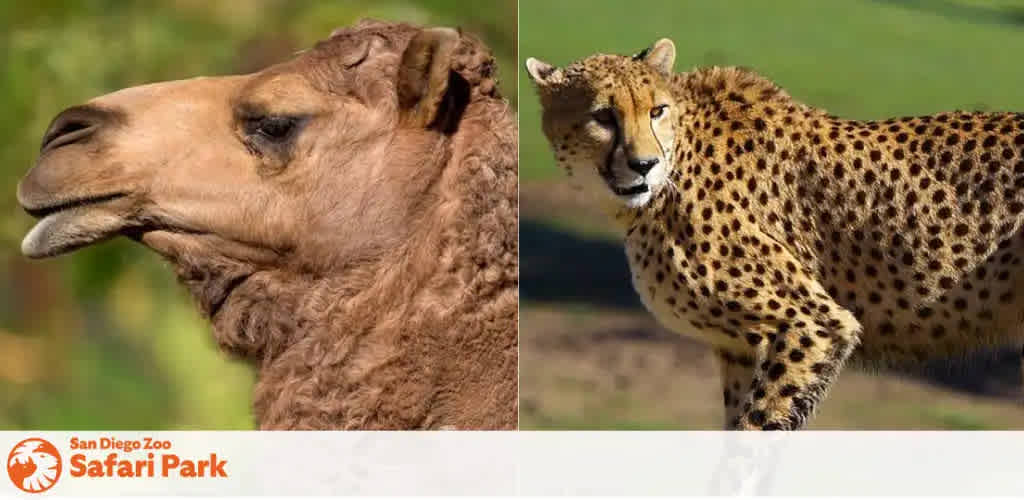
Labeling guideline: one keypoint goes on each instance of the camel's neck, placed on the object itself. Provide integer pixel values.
(427, 339)
(406, 352)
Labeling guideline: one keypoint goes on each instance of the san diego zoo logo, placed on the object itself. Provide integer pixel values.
(34, 465)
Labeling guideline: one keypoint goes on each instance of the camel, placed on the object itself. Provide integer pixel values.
(346, 221)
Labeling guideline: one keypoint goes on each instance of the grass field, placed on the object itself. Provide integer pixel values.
(591, 357)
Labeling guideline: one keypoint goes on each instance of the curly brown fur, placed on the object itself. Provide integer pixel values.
(422, 335)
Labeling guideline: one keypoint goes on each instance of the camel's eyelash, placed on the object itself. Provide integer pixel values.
(270, 137)
(272, 128)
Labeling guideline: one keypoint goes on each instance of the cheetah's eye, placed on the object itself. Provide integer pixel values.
(657, 111)
(604, 116)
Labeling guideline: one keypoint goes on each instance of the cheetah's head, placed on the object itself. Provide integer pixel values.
(609, 120)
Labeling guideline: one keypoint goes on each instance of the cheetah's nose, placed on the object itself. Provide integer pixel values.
(642, 165)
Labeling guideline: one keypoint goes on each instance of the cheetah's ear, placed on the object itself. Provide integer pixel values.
(661, 55)
(542, 73)
(430, 93)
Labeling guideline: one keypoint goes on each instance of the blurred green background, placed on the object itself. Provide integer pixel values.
(104, 338)
(591, 357)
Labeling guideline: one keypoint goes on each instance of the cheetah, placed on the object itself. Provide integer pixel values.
(788, 239)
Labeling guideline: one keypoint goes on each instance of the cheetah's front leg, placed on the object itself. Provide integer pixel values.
(736, 370)
(796, 362)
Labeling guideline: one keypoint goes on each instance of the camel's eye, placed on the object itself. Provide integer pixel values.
(658, 111)
(274, 128)
(270, 137)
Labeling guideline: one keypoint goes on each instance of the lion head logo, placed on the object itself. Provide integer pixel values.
(34, 465)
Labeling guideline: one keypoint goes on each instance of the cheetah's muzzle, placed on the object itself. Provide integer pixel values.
(630, 191)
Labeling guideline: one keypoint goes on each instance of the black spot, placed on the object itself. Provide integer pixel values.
(756, 417)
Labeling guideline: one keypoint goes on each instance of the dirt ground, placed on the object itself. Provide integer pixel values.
(592, 358)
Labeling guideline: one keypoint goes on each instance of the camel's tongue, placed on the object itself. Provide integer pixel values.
(68, 230)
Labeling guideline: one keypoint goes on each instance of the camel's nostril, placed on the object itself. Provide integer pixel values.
(68, 133)
(73, 125)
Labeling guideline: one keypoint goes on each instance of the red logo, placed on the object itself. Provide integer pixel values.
(34, 465)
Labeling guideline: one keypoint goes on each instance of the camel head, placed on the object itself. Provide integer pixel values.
(316, 165)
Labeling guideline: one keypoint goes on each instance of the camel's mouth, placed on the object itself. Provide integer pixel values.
(70, 224)
(40, 212)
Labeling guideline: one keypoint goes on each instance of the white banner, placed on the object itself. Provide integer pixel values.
(512, 463)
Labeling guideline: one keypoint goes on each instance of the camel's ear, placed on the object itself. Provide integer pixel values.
(661, 56)
(430, 93)
(542, 73)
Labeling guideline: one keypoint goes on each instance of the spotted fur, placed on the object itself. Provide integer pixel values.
(791, 240)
